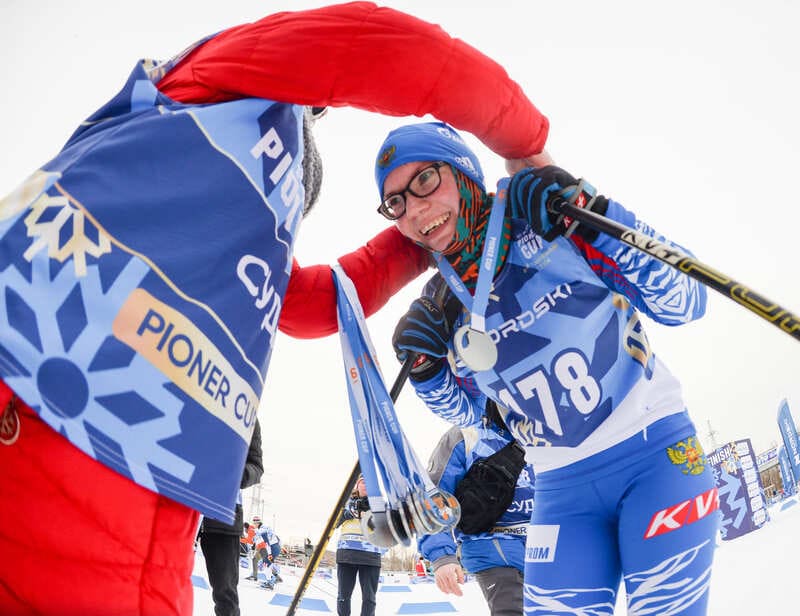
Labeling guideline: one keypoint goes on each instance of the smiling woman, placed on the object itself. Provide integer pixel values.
(577, 386)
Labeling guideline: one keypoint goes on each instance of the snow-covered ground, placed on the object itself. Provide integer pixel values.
(753, 575)
(395, 596)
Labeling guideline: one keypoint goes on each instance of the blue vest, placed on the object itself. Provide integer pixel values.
(143, 270)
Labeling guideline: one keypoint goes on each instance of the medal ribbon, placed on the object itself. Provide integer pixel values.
(387, 459)
(477, 305)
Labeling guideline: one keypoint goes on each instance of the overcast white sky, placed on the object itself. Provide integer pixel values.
(685, 112)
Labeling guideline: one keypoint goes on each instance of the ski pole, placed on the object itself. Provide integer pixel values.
(349, 486)
(765, 308)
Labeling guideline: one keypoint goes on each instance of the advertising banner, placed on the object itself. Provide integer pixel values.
(790, 440)
(789, 483)
(741, 504)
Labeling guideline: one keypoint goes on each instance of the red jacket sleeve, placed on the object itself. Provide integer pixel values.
(378, 270)
(364, 56)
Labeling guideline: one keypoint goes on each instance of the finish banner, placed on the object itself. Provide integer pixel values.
(741, 504)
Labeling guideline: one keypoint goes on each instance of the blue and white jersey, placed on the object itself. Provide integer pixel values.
(575, 372)
(140, 302)
(267, 535)
(504, 544)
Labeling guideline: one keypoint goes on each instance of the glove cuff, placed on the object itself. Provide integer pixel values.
(598, 205)
(428, 368)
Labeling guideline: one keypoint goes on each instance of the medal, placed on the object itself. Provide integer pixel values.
(472, 343)
(375, 528)
(475, 348)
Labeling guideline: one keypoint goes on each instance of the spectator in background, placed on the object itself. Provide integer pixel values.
(355, 556)
(420, 567)
(268, 548)
(492, 548)
(308, 548)
(221, 543)
(246, 540)
(257, 543)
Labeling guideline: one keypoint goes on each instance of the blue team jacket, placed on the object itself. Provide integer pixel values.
(503, 545)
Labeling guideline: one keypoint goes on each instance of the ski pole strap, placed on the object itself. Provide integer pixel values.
(491, 248)
(358, 390)
(571, 195)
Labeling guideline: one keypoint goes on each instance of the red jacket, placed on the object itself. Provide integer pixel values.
(248, 540)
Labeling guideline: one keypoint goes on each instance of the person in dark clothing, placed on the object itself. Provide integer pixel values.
(355, 556)
(220, 542)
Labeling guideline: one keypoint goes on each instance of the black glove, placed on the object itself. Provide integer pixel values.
(358, 505)
(532, 192)
(423, 330)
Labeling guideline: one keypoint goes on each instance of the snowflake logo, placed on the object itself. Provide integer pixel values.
(57, 353)
(63, 229)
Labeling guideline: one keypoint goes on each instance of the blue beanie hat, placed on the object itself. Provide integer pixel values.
(430, 141)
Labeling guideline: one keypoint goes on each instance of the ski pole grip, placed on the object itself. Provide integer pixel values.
(402, 376)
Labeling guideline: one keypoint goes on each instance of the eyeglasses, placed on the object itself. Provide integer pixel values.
(424, 183)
